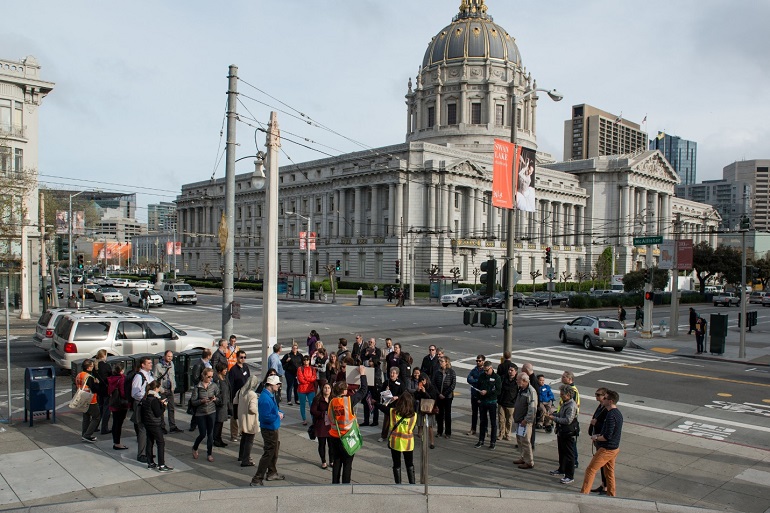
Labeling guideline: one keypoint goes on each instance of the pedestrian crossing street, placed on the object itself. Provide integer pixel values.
(552, 361)
(252, 346)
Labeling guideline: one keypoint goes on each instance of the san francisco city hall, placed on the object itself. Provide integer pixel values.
(431, 196)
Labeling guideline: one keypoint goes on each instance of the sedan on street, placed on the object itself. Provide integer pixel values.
(594, 332)
(108, 295)
(134, 298)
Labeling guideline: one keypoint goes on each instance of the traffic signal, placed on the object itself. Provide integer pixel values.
(337, 266)
(649, 296)
(398, 267)
(489, 270)
(504, 277)
(548, 255)
(80, 261)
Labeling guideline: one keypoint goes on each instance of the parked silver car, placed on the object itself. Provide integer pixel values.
(594, 332)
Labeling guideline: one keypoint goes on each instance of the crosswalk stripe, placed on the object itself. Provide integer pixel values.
(562, 354)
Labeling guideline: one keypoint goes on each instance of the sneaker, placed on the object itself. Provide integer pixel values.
(176, 430)
(556, 472)
(90, 439)
(491, 447)
(256, 482)
(479, 444)
(165, 468)
(471, 432)
(275, 477)
(566, 480)
(152, 466)
(380, 439)
(289, 403)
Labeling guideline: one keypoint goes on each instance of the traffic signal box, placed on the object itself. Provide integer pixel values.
(488, 276)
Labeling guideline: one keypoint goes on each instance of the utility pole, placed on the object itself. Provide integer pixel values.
(675, 283)
(745, 224)
(270, 227)
(43, 266)
(229, 243)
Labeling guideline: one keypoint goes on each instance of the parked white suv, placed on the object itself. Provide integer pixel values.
(177, 293)
(47, 323)
(455, 297)
(82, 335)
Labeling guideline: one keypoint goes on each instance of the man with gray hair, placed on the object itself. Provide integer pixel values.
(274, 360)
(524, 413)
(219, 356)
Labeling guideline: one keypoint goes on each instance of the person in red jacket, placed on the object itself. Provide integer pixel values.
(306, 378)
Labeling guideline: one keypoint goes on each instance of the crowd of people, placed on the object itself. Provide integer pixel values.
(508, 403)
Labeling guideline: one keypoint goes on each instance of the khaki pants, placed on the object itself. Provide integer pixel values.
(234, 423)
(504, 421)
(603, 458)
(525, 446)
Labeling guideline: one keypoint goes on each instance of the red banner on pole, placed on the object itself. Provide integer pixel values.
(684, 255)
(503, 174)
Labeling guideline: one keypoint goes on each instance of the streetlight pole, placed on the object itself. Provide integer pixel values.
(69, 240)
(270, 226)
(511, 236)
(228, 248)
(307, 254)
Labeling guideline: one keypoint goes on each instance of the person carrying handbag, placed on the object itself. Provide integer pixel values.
(91, 417)
(341, 411)
(566, 431)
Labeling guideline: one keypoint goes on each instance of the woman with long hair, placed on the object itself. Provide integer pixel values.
(205, 397)
(306, 378)
(153, 408)
(319, 410)
(103, 372)
(90, 383)
(426, 391)
(320, 360)
(444, 381)
(332, 368)
(342, 416)
(118, 406)
(403, 418)
(248, 420)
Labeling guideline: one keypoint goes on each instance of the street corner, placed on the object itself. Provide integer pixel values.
(664, 350)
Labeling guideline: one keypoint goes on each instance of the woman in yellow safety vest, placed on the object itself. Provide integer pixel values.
(341, 416)
(403, 418)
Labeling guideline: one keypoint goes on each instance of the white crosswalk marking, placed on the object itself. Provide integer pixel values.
(552, 361)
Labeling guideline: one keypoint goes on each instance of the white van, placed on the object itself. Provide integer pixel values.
(178, 293)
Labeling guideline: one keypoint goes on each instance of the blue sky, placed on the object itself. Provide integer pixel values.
(140, 86)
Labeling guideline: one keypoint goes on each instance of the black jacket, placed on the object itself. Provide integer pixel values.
(152, 411)
(237, 377)
(429, 367)
(508, 392)
(291, 362)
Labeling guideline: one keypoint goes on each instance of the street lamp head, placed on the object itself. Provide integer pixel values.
(555, 95)
(258, 179)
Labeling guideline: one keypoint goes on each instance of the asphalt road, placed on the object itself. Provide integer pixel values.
(709, 399)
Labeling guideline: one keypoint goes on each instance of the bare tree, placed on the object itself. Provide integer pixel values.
(534, 275)
(581, 277)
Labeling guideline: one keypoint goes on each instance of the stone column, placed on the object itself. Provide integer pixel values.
(624, 214)
(358, 214)
(556, 226)
(438, 108)
(439, 218)
(477, 217)
(392, 208)
(399, 208)
(643, 212)
(567, 224)
(445, 208)
(578, 226)
(375, 213)
(451, 209)
(653, 218)
(428, 207)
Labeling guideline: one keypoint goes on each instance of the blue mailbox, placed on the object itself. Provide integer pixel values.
(39, 392)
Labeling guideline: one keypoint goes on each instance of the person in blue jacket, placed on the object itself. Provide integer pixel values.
(546, 402)
(270, 421)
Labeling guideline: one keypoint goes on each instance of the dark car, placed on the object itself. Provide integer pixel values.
(542, 298)
(475, 299)
(498, 301)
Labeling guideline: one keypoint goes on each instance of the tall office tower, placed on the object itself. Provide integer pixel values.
(680, 153)
(594, 133)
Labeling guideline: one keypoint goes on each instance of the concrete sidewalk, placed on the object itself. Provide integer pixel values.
(47, 464)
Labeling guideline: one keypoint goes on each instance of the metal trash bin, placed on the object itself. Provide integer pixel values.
(183, 364)
(39, 392)
(470, 316)
(488, 318)
(717, 333)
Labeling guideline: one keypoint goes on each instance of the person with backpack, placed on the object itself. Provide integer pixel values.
(118, 404)
(165, 375)
(700, 334)
(152, 418)
(341, 416)
(136, 384)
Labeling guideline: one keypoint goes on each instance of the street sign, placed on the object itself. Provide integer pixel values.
(648, 241)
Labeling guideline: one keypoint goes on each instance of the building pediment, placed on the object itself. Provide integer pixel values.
(466, 167)
(653, 163)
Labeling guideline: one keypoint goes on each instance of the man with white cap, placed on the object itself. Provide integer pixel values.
(270, 421)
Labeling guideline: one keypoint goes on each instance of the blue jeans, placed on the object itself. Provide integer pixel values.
(304, 399)
(205, 430)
